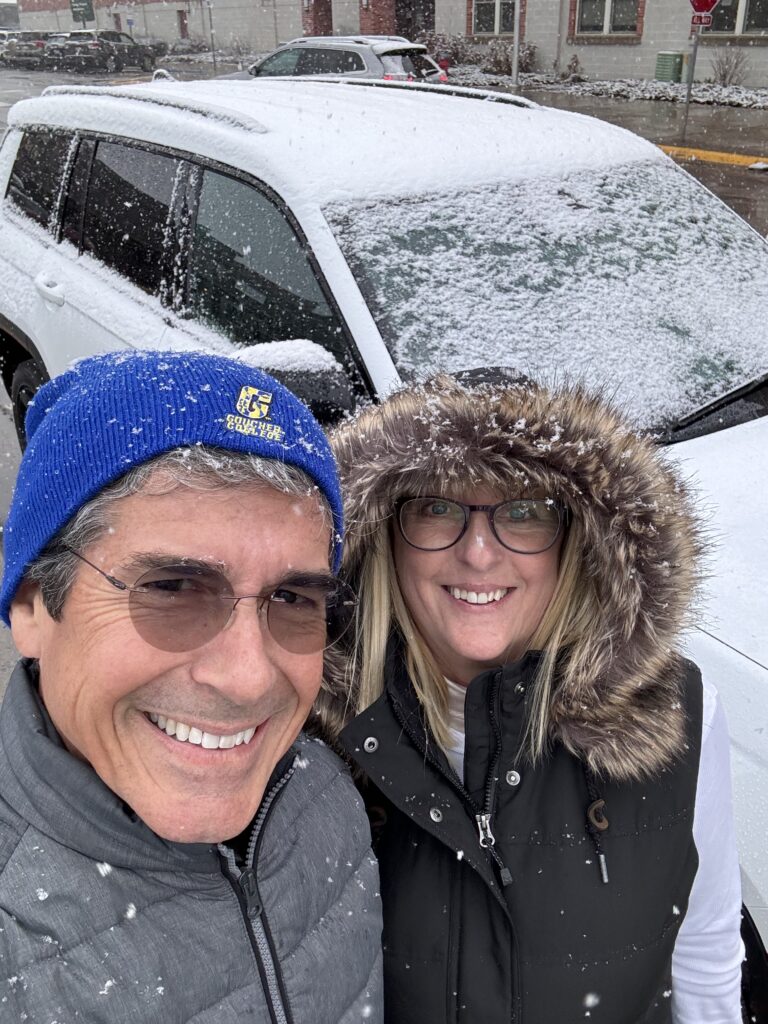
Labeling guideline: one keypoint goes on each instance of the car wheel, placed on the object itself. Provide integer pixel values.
(27, 378)
(147, 63)
(112, 64)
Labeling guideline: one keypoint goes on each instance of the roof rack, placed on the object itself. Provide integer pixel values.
(359, 39)
(208, 110)
(465, 91)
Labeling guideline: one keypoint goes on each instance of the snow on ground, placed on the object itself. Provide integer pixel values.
(622, 88)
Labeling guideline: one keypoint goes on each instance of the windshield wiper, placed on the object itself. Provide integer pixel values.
(717, 405)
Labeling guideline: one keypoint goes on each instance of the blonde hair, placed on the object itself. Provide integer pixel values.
(571, 613)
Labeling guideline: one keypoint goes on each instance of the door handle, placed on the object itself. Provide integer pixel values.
(51, 290)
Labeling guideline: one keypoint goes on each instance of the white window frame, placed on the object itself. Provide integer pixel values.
(739, 26)
(496, 18)
(606, 30)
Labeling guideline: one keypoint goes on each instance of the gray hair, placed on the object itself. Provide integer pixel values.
(200, 468)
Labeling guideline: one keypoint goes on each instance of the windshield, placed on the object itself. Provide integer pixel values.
(633, 276)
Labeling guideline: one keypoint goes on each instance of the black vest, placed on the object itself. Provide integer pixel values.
(527, 930)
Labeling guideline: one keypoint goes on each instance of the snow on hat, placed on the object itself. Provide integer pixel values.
(113, 412)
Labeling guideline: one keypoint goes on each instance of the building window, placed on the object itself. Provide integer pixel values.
(494, 16)
(608, 16)
(741, 17)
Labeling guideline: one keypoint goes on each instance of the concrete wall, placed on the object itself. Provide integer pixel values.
(666, 26)
(258, 25)
(451, 17)
(346, 17)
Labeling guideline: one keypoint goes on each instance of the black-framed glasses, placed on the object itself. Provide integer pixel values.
(182, 606)
(527, 526)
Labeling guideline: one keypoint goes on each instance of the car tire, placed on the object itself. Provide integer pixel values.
(147, 63)
(112, 64)
(28, 377)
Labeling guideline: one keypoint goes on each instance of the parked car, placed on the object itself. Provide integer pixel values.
(347, 234)
(108, 50)
(25, 49)
(158, 46)
(391, 58)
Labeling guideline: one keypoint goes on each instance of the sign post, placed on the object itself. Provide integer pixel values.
(702, 18)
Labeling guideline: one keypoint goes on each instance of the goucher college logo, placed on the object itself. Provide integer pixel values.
(254, 403)
(254, 407)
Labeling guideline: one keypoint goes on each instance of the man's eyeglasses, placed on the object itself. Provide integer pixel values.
(527, 526)
(181, 607)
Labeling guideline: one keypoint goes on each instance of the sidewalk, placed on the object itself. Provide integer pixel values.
(721, 135)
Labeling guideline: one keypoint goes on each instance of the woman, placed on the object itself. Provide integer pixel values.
(530, 734)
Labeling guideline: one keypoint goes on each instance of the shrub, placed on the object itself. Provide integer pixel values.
(499, 53)
(729, 65)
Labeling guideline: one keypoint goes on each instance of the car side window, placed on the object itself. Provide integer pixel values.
(283, 63)
(35, 180)
(129, 199)
(249, 273)
(123, 38)
(326, 61)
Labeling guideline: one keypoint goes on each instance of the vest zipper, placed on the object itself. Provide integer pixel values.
(483, 815)
(246, 888)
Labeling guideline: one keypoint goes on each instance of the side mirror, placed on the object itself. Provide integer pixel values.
(328, 393)
(253, 69)
(310, 371)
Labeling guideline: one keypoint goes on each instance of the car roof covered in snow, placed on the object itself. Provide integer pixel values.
(322, 140)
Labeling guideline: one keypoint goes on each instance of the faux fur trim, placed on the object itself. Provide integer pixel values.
(617, 704)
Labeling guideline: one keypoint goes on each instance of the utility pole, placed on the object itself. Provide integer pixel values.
(516, 48)
(212, 32)
(691, 69)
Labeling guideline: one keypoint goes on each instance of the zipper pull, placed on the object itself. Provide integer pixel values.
(484, 828)
(250, 890)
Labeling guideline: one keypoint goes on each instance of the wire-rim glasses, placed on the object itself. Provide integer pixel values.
(184, 605)
(527, 526)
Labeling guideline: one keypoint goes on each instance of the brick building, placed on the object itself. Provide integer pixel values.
(611, 38)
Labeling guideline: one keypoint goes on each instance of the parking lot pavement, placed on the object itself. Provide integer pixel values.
(20, 83)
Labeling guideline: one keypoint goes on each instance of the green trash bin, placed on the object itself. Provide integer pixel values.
(669, 66)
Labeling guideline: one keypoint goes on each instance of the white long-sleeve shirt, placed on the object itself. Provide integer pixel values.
(706, 963)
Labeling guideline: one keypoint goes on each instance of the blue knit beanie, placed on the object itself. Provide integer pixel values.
(112, 412)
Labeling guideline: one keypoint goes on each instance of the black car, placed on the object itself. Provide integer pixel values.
(25, 49)
(108, 50)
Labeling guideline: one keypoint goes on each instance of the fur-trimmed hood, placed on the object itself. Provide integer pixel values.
(616, 704)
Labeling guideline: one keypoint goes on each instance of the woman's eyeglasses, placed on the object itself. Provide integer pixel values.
(181, 607)
(527, 526)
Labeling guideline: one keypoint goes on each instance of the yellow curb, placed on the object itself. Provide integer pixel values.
(710, 156)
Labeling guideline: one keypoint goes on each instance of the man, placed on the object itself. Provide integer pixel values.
(172, 847)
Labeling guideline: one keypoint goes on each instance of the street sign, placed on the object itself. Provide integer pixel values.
(704, 6)
(82, 10)
(701, 20)
(131, 22)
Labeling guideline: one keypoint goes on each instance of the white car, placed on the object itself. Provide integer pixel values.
(348, 234)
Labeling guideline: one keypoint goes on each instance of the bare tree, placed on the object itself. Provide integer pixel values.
(729, 65)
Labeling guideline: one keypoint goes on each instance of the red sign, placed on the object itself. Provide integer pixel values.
(704, 6)
(701, 20)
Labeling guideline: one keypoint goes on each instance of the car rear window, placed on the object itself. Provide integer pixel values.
(35, 180)
(129, 199)
(417, 65)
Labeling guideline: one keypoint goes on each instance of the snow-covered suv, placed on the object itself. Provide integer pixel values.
(391, 58)
(347, 234)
